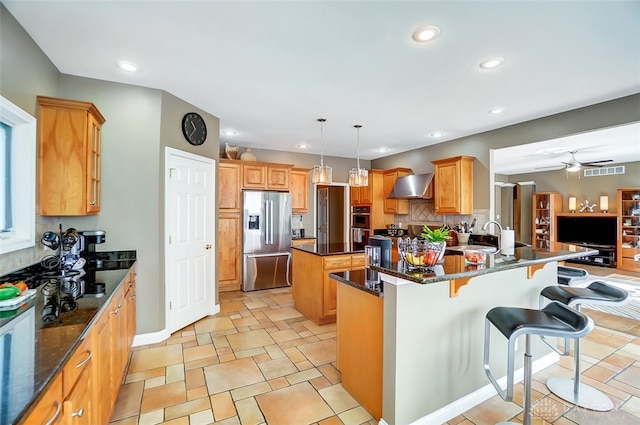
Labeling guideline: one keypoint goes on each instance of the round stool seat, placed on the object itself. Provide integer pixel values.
(572, 390)
(596, 293)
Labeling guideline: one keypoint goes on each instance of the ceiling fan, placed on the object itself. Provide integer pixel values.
(574, 165)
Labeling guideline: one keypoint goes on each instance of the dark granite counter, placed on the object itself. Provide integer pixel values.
(34, 350)
(328, 249)
(454, 267)
(356, 279)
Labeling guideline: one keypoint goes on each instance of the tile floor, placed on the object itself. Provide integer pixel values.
(259, 361)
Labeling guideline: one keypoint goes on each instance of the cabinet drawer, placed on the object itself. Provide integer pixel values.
(336, 262)
(629, 252)
(49, 407)
(357, 260)
(76, 364)
(628, 264)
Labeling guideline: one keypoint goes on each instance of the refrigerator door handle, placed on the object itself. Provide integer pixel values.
(266, 222)
(271, 220)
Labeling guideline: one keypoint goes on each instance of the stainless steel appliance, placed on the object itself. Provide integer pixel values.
(360, 227)
(266, 239)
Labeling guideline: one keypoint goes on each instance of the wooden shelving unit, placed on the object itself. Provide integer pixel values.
(546, 205)
(629, 229)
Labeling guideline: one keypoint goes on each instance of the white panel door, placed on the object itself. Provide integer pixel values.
(190, 254)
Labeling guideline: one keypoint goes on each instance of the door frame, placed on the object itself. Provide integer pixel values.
(169, 153)
(347, 208)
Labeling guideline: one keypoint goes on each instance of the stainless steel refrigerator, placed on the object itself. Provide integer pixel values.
(266, 239)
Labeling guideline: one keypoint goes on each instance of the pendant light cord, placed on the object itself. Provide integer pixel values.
(358, 126)
(321, 120)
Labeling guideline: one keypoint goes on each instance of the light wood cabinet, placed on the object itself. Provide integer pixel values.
(69, 159)
(78, 406)
(359, 348)
(363, 195)
(394, 206)
(229, 186)
(48, 409)
(546, 206)
(628, 249)
(314, 293)
(266, 176)
(229, 252)
(299, 188)
(453, 190)
(112, 335)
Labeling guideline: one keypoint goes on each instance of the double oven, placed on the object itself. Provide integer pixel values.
(360, 226)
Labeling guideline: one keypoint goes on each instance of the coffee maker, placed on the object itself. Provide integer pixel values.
(88, 241)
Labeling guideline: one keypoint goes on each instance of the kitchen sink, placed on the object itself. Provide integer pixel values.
(493, 240)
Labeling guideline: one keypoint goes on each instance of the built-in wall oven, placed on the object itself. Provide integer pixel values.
(360, 227)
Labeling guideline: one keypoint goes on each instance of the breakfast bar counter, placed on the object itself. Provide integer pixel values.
(433, 328)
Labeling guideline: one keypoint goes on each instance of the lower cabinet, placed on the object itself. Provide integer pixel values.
(229, 252)
(48, 409)
(78, 406)
(314, 292)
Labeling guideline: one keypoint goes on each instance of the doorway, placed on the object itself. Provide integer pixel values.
(332, 214)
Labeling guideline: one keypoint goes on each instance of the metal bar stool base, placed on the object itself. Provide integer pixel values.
(587, 397)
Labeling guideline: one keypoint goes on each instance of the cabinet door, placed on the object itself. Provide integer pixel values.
(394, 206)
(278, 178)
(254, 176)
(78, 406)
(48, 410)
(101, 337)
(299, 187)
(229, 252)
(229, 186)
(354, 194)
(118, 341)
(447, 193)
(94, 157)
(130, 305)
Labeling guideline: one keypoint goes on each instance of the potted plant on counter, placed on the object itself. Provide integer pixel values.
(438, 239)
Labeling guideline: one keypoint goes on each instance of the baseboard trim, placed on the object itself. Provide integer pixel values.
(156, 337)
(473, 399)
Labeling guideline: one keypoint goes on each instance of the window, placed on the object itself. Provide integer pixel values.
(17, 178)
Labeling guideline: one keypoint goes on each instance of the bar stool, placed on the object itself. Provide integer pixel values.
(572, 390)
(555, 320)
(570, 275)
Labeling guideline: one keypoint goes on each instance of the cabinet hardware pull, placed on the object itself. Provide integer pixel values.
(207, 246)
(82, 363)
(79, 413)
(114, 311)
(119, 305)
(55, 414)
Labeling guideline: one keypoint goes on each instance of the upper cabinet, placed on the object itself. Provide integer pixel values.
(299, 188)
(454, 185)
(394, 206)
(69, 157)
(258, 175)
(229, 185)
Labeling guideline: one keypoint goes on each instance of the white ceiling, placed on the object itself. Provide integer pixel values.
(268, 69)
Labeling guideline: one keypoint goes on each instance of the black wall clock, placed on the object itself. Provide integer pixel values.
(194, 129)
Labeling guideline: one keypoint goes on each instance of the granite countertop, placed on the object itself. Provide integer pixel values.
(328, 249)
(454, 267)
(356, 279)
(39, 348)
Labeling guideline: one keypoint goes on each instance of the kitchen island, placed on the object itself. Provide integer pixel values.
(433, 329)
(314, 292)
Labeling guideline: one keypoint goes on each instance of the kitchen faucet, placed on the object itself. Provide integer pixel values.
(494, 222)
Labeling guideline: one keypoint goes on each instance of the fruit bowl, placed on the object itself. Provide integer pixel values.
(418, 253)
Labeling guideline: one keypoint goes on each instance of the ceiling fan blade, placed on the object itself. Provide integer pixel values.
(593, 163)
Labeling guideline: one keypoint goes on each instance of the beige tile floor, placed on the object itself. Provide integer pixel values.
(259, 361)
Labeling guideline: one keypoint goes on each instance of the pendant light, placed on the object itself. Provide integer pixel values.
(358, 176)
(321, 174)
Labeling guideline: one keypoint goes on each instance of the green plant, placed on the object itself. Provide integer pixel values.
(437, 235)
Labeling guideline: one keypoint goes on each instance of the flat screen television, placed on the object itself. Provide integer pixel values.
(587, 230)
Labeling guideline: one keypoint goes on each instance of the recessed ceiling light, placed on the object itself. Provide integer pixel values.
(382, 150)
(229, 133)
(437, 134)
(127, 66)
(302, 146)
(492, 62)
(426, 33)
(496, 111)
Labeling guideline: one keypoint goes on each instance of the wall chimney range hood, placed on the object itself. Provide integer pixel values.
(411, 187)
